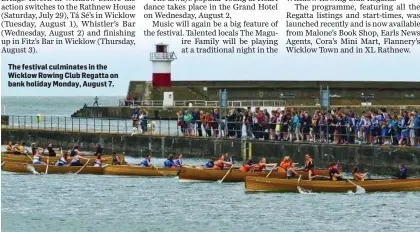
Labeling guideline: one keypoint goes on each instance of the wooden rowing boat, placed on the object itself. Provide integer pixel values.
(257, 184)
(188, 174)
(52, 159)
(129, 170)
(52, 169)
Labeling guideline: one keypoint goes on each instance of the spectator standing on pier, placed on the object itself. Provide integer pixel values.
(202, 123)
(144, 119)
(197, 122)
(96, 102)
(188, 119)
(208, 123)
(215, 124)
(135, 116)
(239, 122)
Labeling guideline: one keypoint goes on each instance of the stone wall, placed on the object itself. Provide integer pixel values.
(375, 159)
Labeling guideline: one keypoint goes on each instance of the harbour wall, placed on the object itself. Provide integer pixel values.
(375, 159)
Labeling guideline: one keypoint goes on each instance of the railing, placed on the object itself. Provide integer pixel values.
(202, 103)
(241, 104)
(235, 130)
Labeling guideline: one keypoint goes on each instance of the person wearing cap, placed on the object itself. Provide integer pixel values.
(247, 166)
(334, 173)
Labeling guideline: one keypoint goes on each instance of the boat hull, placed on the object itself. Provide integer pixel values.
(128, 170)
(187, 174)
(52, 169)
(52, 159)
(256, 184)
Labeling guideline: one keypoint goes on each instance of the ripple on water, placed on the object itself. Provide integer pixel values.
(108, 204)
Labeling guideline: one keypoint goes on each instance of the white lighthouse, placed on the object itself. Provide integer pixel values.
(161, 60)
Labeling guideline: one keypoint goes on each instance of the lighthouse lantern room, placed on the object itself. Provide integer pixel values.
(161, 60)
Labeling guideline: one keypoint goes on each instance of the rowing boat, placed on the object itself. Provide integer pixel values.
(52, 169)
(128, 170)
(52, 159)
(188, 174)
(257, 184)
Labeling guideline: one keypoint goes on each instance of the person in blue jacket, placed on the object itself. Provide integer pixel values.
(169, 163)
(402, 173)
(210, 163)
(146, 162)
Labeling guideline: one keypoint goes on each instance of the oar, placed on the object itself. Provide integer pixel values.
(82, 167)
(359, 188)
(158, 170)
(298, 187)
(227, 173)
(48, 164)
(271, 171)
(29, 157)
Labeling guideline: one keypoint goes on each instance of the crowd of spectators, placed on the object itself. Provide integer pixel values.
(338, 126)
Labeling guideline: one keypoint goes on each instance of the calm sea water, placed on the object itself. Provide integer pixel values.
(112, 203)
(50, 106)
(56, 112)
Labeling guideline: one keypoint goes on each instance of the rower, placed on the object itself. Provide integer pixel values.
(76, 160)
(98, 149)
(309, 167)
(74, 151)
(402, 173)
(115, 159)
(146, 162)
(262, 165)
(99, 161)
(291, 172)
(284, 164)
(51, 151)
(220, 163)
(247, 166)
(178, 160)
(229, 159)
(334, 172)
(210, 163)
(9, 147)
(37, 157)
(169, 163)
(358, 176)
(63, 160)
(20, 148)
